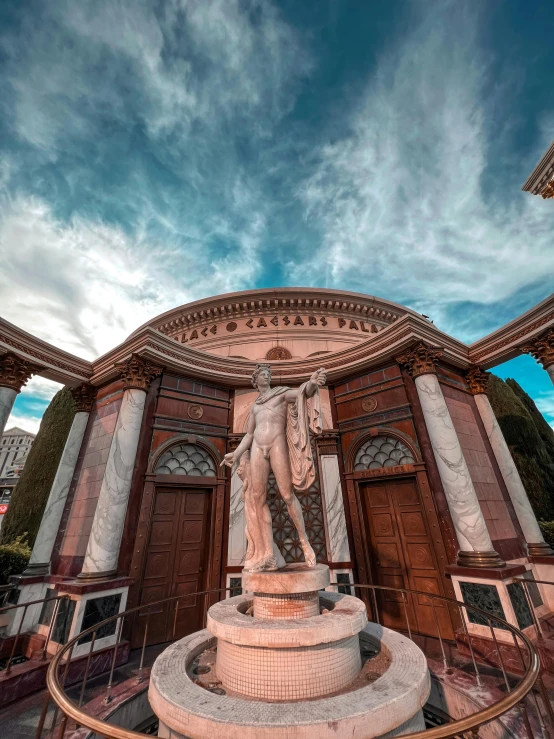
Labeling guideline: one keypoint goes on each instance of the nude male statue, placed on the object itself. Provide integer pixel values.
(278, 438)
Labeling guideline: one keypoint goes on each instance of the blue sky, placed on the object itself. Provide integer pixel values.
(153, 153)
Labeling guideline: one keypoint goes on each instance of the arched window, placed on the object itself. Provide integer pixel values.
(186, 459)
(382, 451)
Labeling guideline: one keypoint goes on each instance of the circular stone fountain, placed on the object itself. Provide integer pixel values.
(286, 660)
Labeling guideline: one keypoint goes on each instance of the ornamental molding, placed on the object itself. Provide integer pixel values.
(505, 343)
(137, 373)
(277, 304)
(548, 191)
(477, 380)
(15, 372)
(56, 364)
(542, 174)
(84, 396)
(236, 372)
(421, 359)
(542, 349)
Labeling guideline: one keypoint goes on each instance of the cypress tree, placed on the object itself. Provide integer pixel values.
(33, 487)
(530, 443)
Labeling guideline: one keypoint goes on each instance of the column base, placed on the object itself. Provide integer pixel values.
(37, 568)
(96, 575)
(542, 549)
(480, 559)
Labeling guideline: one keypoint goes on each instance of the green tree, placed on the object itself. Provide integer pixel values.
(530, 439)
(33, 487)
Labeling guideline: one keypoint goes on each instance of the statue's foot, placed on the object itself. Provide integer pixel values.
(265, 564)
(309, 555)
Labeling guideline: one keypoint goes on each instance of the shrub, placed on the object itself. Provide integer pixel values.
(547, 528)
(13, 558)
(33, 487)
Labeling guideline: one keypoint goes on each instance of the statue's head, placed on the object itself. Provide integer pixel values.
(262, 372)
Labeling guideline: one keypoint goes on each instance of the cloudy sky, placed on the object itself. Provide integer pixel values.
(153, 153)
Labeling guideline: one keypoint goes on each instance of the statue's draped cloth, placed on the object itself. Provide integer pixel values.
(301, 417)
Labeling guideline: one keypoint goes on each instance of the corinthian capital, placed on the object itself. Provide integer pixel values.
(83, 396)
(542, 349)
(548, 190)
(477, 380)
(15, 372)
(138, 372)
(420, 359)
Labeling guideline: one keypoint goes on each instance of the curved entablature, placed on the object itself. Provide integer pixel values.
(285, 323)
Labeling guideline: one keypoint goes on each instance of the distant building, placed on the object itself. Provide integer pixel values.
(541, 179)
(14, 450)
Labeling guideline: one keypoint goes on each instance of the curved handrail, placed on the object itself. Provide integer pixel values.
(455, 728)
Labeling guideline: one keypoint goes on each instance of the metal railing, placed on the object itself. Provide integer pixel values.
(526, 581)
(516, 695)
(25, 607)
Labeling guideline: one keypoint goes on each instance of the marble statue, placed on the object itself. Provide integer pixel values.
(277, 438)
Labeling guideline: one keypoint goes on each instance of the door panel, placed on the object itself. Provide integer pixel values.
(174, 565)
(402, 555)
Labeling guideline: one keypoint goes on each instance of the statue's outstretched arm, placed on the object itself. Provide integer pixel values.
(317, 380)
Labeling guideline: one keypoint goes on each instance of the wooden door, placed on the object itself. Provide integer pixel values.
(175, 564)
(402, 555)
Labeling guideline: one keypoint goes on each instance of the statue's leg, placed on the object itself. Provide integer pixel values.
(261, 518)
(280, 464)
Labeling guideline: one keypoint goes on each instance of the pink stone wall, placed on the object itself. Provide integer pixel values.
(496, 510)
(89, 472)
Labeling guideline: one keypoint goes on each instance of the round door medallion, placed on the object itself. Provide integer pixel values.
(369, 404)
(195, 411)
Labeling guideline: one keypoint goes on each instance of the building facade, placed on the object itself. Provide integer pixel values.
(415, 487)
(15, 445)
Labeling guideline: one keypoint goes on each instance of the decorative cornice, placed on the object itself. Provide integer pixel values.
(542, 173)
(505, 343)
(84, 396)
(420, 360)
(542, 349)
(15, 372)
(548, 191)
(138, 372)
(477, 380)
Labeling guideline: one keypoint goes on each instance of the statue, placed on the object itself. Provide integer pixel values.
(277, 437)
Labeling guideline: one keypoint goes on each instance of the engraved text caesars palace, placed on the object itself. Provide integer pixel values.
(261, 322)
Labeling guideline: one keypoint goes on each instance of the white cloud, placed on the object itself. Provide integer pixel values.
(25, 422)
(408, 202)
(84, 286)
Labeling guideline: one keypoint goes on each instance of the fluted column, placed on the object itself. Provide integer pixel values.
(83, 397)
(475, 544)
(542, 349)
(107, 526)
(14, 374)
(477, 381)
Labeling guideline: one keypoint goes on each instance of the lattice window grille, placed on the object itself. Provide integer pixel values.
(382, 451)
(186, 459)
(284, 531)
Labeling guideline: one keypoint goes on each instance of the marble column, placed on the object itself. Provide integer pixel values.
(542, 349)
(83, 397)
(14, 374)
(477, 381)
(337, 535)
(107, 527)
(475, 544)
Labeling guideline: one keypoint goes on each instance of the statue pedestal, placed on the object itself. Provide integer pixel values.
(290, 659)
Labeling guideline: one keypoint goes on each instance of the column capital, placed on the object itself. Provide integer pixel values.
(15, 372)
(542, 349)
(548, 190)
(138, 372)
(420, 359)
(84, 396)
(477, 380)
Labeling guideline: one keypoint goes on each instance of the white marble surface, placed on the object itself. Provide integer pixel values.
(7, 399)
(107, 528)
(46, 537)
(236, 549)
(550, 371)
(522, 507)
(337, 536)
(463, 503)
(28, 593)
